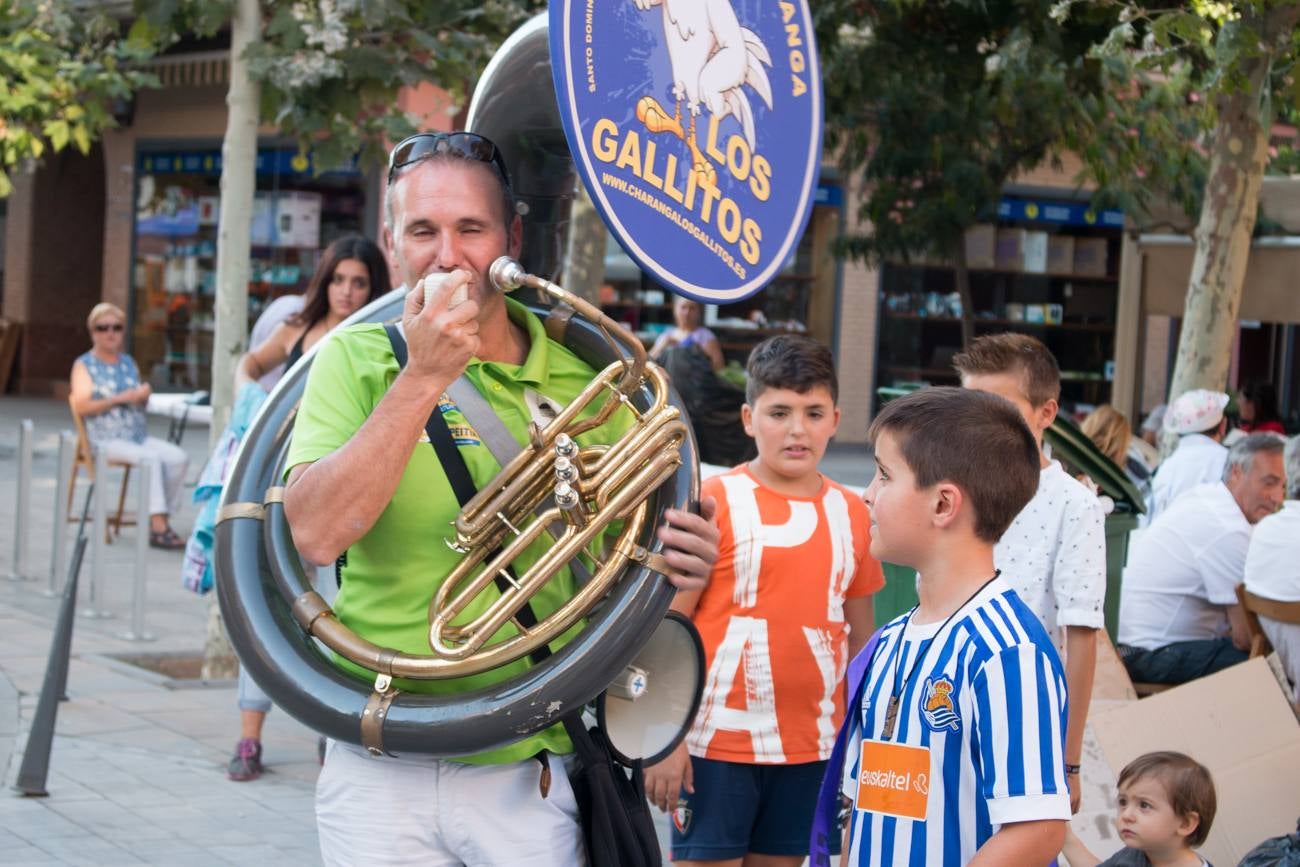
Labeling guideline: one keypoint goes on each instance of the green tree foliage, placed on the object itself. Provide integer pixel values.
(61, 66)
(936, 104)
(1240, 58)
(330, 70)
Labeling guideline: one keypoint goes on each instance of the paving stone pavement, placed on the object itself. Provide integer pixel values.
(137, 770)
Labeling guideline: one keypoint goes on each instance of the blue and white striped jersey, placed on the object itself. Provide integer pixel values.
(987, 697)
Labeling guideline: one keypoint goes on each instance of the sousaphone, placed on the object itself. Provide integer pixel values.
(278, 623)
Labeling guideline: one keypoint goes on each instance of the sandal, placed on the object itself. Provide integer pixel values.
(167, 540)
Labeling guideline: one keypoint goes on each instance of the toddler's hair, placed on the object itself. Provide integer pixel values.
(977, 441)
(1187, 783)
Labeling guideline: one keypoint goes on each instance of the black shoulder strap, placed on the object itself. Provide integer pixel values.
(453, 464)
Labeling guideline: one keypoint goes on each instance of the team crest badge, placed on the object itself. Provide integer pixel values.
(682, 817)
(937, 705)
(696, 125)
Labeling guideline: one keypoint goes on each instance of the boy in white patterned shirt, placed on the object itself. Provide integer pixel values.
(1054, 553)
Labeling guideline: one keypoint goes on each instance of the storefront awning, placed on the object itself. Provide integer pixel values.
(1271, 292)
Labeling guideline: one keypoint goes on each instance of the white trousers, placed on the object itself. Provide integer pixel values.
(167, 465)
(395, 812)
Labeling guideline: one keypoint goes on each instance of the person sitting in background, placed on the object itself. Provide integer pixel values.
(1179, 616)
(1109, 430)
(1198, 420)
(1273, 568)
(1257, 409)
(1166, 805)
(689, 331)
(352, 270)
(108, 395)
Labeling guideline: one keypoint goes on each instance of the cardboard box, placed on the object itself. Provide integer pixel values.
(1090, 257)
(1035, 253)
(981, 242)
(1060, 254)
(1009, 254)
(1239, 724)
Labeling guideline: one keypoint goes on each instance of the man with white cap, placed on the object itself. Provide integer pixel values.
(1197, 417)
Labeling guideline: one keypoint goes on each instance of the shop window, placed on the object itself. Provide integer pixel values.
(1050, 269)
(178, 202)
(800, 299)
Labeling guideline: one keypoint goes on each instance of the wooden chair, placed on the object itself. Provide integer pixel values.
(1253, 606)
(85, 457)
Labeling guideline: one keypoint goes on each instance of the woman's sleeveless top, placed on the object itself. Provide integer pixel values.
(296, 352)
(121, 422)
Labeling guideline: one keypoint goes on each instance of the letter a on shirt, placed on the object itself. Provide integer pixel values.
(772, 620)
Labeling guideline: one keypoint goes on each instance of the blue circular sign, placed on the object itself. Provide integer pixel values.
(696, 125)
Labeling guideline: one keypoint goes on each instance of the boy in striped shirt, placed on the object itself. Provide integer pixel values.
(954, 743)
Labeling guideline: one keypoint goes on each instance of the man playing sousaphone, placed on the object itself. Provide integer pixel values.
(363, 480)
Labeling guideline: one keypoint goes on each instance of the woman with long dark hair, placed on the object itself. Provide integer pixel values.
(352, 271)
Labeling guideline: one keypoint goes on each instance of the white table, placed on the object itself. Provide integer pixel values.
(181, 409)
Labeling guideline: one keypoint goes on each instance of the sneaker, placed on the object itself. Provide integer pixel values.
(247, 762)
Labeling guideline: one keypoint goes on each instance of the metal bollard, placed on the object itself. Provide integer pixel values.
(59, 553)
(137, 631)
(25, 436)
(99, 529)
(35, 767)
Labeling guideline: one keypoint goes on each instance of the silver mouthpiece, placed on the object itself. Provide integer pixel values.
(506, 274)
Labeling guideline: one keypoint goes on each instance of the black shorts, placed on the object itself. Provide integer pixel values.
(739, 808)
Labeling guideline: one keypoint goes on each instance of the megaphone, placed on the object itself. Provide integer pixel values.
(646, 712)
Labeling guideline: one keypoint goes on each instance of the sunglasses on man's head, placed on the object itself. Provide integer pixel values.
(468, 145)
(115, 326)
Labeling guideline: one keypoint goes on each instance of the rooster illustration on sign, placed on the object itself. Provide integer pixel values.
(712, 59)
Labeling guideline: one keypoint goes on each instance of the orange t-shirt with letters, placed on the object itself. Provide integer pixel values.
(772, 620)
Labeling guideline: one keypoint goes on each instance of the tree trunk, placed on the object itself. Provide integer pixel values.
(1239, 152)
(238, 184)
(961, 277)
(584, 268)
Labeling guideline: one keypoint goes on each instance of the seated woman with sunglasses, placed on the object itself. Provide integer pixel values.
(108, 395)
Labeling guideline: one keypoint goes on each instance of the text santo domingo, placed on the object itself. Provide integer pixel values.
(676, 179)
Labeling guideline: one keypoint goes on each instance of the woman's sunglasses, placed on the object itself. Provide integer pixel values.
(116, 326)
(469, 145)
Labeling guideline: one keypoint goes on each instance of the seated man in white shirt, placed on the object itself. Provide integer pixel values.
(1179, 618)
(1197, 417)
(1273, 568)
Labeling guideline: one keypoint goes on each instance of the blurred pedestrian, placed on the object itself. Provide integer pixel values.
(1257, 409)
(688, 331)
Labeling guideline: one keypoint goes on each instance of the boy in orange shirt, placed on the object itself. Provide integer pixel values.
(787, 605)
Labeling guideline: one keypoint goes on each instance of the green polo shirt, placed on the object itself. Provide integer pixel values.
(394, 570)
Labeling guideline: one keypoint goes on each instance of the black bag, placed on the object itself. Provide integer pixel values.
(616, 823)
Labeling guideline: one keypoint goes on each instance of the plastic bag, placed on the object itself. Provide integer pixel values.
(1275, 852)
